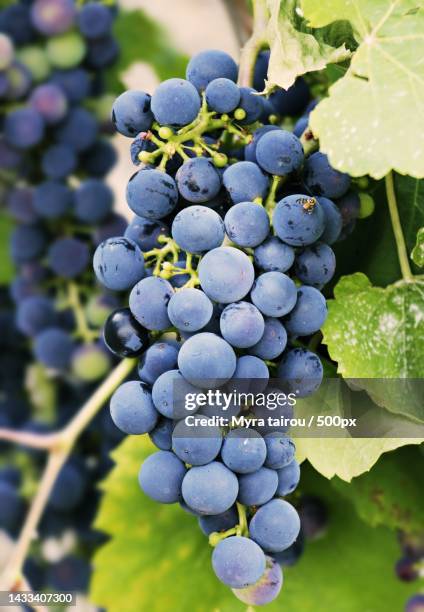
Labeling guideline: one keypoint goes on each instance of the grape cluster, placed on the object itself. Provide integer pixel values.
(224, 263)
(54, 155)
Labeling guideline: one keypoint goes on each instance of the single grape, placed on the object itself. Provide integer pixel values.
(66, 50)
(238, 562)
(50, 101)
(20, 205)
(131, 113)
(280, 450)
(301, 370)
(24, 128)
(118, 263)
(245, 182)
(52, 199)
(415, 603)
(279, 152)
(190, 309)
(288, 478)
(210, 489)
(293, 100)
(169, 394)
(196, 445)
(273, 341)
(266, 589)
(123, 335)
(251, 103)
(151, 193)
(149, 302)
(90, 362)
(79, 130)
(198, 228)
(333, 221)
(99, 159)
(69, 488)
(52, 17)
(209, 65)
(349, 206)
(175, 103)
(53, 347)
(145, 232)
(26, 243)
(159, 358)
(94, 20)
(243, 451)
(298, 220)
(241, 324)
(75, 83)
(219, 522)
(58, 162)
(161, 435)
(275, 526)
(68, 257)
(247, 224)
(206, 358)
(301, 125)
(274, 294)
(323, 179)
(257, 488)
(315, 265)
(222, 95)
(251, 374)
(99, 307)
(143, 143)
(35, 60)
(198, 180)
(161, 476)
(34, 314)
(226, 274)
(250, 149)
(15, 21)
(273, 255)
(102, 52)
(309, 314)
(93, 201)
(132, 409)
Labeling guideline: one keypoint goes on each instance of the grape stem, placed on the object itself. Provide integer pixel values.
(59, 446)
(397, 228)
(256, 42)
(83, 330)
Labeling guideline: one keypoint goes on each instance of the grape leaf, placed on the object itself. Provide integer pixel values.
(362, 125)
(376, 495)
(417, 253)
(142, 39)
(6, 268)
(157, 559)
(296, 48)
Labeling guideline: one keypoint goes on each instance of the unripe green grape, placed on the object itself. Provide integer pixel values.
(165, 132)
(66, 50)
(6, 51)
(239, 114)
(98, 308)
(90, 362)
(220, 160)
(362, 182)
(102, 106)
(35, 59)
(366, 206)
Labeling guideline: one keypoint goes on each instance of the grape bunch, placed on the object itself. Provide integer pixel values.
(54, 155)
(224, 263)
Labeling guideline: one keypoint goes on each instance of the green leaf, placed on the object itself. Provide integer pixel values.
(372, 120)
(297, 49)
(376, 495)
(159, 557)
(417, 253)
(6, 268)
(142, 40)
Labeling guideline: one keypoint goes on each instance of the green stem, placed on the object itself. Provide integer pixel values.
(83, 330)
(242, 519)
(277, 181)
(397, 228)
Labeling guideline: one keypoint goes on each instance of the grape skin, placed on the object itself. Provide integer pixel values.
(210, 489)
(151, 193)
(34, 314)
(190, 309)
(145, 232)
(247, 224)
(149, 302)
(123, 335)
(279, 152)
(218, 522)
(245, 182)
(27, 242)
(309, 314)
(222, 95)
(241, 324)
(175, 103)
(266, 589)
(273, 255)
(159, 358)
(53, 347)
(206, 358)
(316, 264)
(243, 451)
(132, 409)
(161, 435)
(273, 341)
(251, 103)
(68, 257)
(94, 20)
(167, 488)
(197, 228)
(333, 221)
(274, 294)
(50, 101)
(118, 263)
(198, 180)
(298, 220)
(226, 274)
(257, 488)
(288, 478)
(93, 201)
(324, 180)
(194, 445)
(52, 199)
(131, 113)
(168, 393)
(302, 370)
(24, 128)
(280, 450)
(209, 65)
(275, 526)
(58, 162)
(238, 562)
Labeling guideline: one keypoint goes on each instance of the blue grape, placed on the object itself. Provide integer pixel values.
(243, 451)
(94, 20)
(210, 489)
(323, 179)
(333, 221)
(415, 603)
(257, 488)
(209, 65)
(206, 357)
(315, 265)
(161, 435)
(131, 113)
(75, 83)
(349, 205)
(190, 309)
(132, 409)
(302, 371)
(226, 274)
(79, 130)
(250, 149)
(20, 205)
(196, 445)
(219, 522)
(34, 314)
(247, 224)
(238, 562)
(58, 162)
(52, 199)
(145, 232)
(309, 314)
(102, 52)
(11, 508)
(198, 180)
(19, 81)
(51, 17)
(93, 201)
(149, 302)
(251, 374)
(169, 392)
(53, 347)
(251, 103)
(15, 21)
(290, 555)
(222, 95)
(245, 182)
(274, 293)
(261, 70)
(50, 101)
(242, 325)
(24, 128)
(71, 573)
(159, 358)
(273, 341)
(123, 335)
(280, 450)
(175, 103)
(141, 143)
(298, 220)
(68, 489)
(274, 255)
(68, 257)
(151, 193)
(161, 476)
(198, 228)
(266, 589)
(293, 100)
(279, 152)
(275, 526)
(301, 125)
(26, 243)
(99, 159)
(288, 478)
